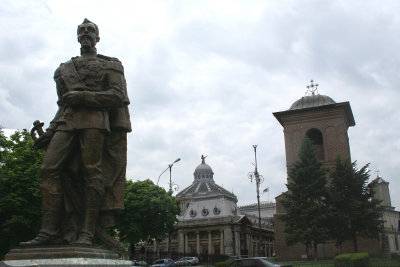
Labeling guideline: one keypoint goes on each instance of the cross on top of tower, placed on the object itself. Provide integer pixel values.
(312, 89)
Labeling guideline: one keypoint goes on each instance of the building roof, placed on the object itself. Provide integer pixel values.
(205, 203)
(313, 101)
(203, 185)
(310, 101)
(378, 180)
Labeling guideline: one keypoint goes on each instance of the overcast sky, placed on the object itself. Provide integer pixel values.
(204, 77)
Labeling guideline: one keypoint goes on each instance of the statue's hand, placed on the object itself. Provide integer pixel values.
(43, 140)
(76, 98)
(73, 98)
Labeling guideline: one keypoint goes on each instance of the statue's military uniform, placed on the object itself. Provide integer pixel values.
(103, 77)
(93, 129)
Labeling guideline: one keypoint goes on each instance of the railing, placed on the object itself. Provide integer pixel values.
(205, 259)
(212, 259)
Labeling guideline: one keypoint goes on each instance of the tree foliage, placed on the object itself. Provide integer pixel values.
(150, 212)
(316, 212)
(305, 203)
(354, 212)
(19, 189)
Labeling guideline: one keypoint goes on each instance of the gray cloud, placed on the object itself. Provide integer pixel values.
(205, 76)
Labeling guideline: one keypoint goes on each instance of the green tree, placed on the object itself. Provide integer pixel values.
(150, 212)
(354, 212)
(305, 203)
(19, 189)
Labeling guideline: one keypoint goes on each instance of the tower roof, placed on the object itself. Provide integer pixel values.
(378, 180)
(312, 98)
(313, 101)
(310, 101)
(204, 185)
(203, 171)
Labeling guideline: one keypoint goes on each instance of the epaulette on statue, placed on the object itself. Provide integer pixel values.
(113, 63)
(69, 61)
(72, 58)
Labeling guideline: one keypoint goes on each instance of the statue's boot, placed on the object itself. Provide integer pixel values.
(93, 204)
(51, 218)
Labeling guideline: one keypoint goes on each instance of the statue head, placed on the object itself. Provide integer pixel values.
(88, 34)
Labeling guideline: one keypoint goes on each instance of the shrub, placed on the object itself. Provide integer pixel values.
(223, 263)
(342, 260)
(352, 260)
(396, 257)
(360, 259)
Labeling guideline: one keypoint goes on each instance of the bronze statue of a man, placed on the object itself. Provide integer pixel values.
(83, 171)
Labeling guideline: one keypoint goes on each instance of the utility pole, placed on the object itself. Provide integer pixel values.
(259, 179)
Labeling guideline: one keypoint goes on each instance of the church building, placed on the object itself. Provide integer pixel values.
(326, 123)
(211, 223)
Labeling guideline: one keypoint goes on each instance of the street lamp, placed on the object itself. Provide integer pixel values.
(171, 184)
(176, 187)
(259, 179)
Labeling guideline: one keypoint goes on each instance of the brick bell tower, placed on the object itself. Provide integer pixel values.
(326, 123)
(323, 120)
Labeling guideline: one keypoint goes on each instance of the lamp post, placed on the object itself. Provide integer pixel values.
(171, 184)
(259, 179)
(176, 187)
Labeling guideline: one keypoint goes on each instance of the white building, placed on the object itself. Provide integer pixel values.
(211, 222)
(390, 237)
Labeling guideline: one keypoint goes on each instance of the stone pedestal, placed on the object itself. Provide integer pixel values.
(60, 252)
(63, 256)
(67, 262)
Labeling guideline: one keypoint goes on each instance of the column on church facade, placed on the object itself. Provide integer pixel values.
(257, 248)
(266, 246)
(248, 244)
(228, 237)
(181, 241)
(237, 243)
(210, 249)
(251, 252)
(221, 244)
(186, 242)
(198, 243)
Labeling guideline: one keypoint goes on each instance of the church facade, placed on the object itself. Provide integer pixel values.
(211, 223)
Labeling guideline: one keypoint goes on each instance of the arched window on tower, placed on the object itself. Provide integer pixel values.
(316, 138)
